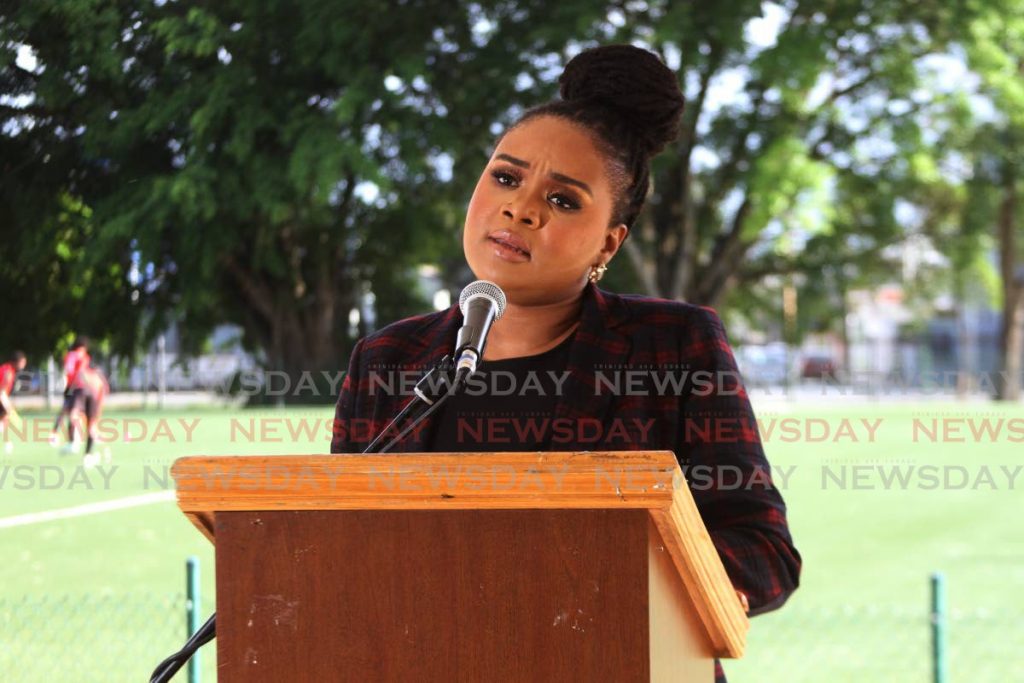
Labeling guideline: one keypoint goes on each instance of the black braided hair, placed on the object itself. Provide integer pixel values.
(632, 103)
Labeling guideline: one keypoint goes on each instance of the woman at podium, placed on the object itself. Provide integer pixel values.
(569, 366)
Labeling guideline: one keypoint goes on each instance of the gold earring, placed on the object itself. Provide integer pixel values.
(597, 272)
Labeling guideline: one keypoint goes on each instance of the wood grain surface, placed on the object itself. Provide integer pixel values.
(525, 595)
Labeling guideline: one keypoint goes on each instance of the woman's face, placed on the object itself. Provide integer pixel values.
(538, 219)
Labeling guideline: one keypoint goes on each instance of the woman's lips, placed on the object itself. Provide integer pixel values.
(510, 246)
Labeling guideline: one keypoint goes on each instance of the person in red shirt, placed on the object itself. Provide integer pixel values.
(8, 376)
(75, 359)
(90, 389)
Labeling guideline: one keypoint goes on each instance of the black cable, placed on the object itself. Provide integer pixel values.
(170, 666)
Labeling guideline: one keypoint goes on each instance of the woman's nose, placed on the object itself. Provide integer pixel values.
(524, 212)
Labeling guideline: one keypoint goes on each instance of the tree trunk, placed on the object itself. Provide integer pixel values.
(844, 312)
(1011, 337)
(299, 334)
(1011, 342)
(301, 354)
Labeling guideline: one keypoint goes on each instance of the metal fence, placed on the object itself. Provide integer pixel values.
(114, 638)
(105, 638)
(879, 644)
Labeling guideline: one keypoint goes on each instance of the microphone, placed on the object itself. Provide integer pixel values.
(481, 303)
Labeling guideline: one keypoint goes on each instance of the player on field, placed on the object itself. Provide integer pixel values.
(91, 390)
(76, 358)
(8, 376)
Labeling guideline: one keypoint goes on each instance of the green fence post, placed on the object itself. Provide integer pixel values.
(938, 615)
(192, 612)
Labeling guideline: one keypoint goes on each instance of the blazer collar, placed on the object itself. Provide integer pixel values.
(598, 344)
(437, 337)
(602, 312)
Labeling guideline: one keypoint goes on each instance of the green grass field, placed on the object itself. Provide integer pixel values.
(98, 597)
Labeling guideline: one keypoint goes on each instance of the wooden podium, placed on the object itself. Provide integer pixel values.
(591, 566)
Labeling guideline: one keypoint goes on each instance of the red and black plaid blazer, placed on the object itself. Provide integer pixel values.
(708, 423)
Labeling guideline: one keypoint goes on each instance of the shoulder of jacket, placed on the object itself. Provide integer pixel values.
(647, 309)
(404, 335)
(414, 325)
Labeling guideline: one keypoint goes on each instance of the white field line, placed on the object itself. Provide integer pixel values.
(87, 509)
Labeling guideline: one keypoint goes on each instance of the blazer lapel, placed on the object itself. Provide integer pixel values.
(434, 340)
(601, 346)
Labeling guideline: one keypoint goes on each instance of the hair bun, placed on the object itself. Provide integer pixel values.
(633, 82)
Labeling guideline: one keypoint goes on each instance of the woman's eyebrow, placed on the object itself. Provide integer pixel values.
(571, 181)
(560, 177)
(512, 160)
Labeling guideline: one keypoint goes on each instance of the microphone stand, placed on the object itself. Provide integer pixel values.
(424, 396)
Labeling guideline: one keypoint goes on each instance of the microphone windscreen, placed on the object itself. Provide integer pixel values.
(483, 288)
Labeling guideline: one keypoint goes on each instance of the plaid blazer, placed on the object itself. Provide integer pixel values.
(706, 420)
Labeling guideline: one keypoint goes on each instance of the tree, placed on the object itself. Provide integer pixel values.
(795, 147)
(995, 50)
(271, 163)
(262, 163)
(51, 291)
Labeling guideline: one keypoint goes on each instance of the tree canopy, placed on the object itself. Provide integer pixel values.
(272, 163)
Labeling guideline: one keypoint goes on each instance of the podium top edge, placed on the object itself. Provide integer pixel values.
(660, 457)
(442, 480)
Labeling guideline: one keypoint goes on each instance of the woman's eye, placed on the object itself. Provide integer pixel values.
(564, 201)
(505, 178)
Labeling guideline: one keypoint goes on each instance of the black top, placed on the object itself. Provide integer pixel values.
(506, 406)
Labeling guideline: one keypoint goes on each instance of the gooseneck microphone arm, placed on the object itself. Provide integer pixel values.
(454, 386)
(426, 400)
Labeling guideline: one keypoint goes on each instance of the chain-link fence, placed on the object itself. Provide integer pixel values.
(869, 644)
(93, 638)
(115, 638)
